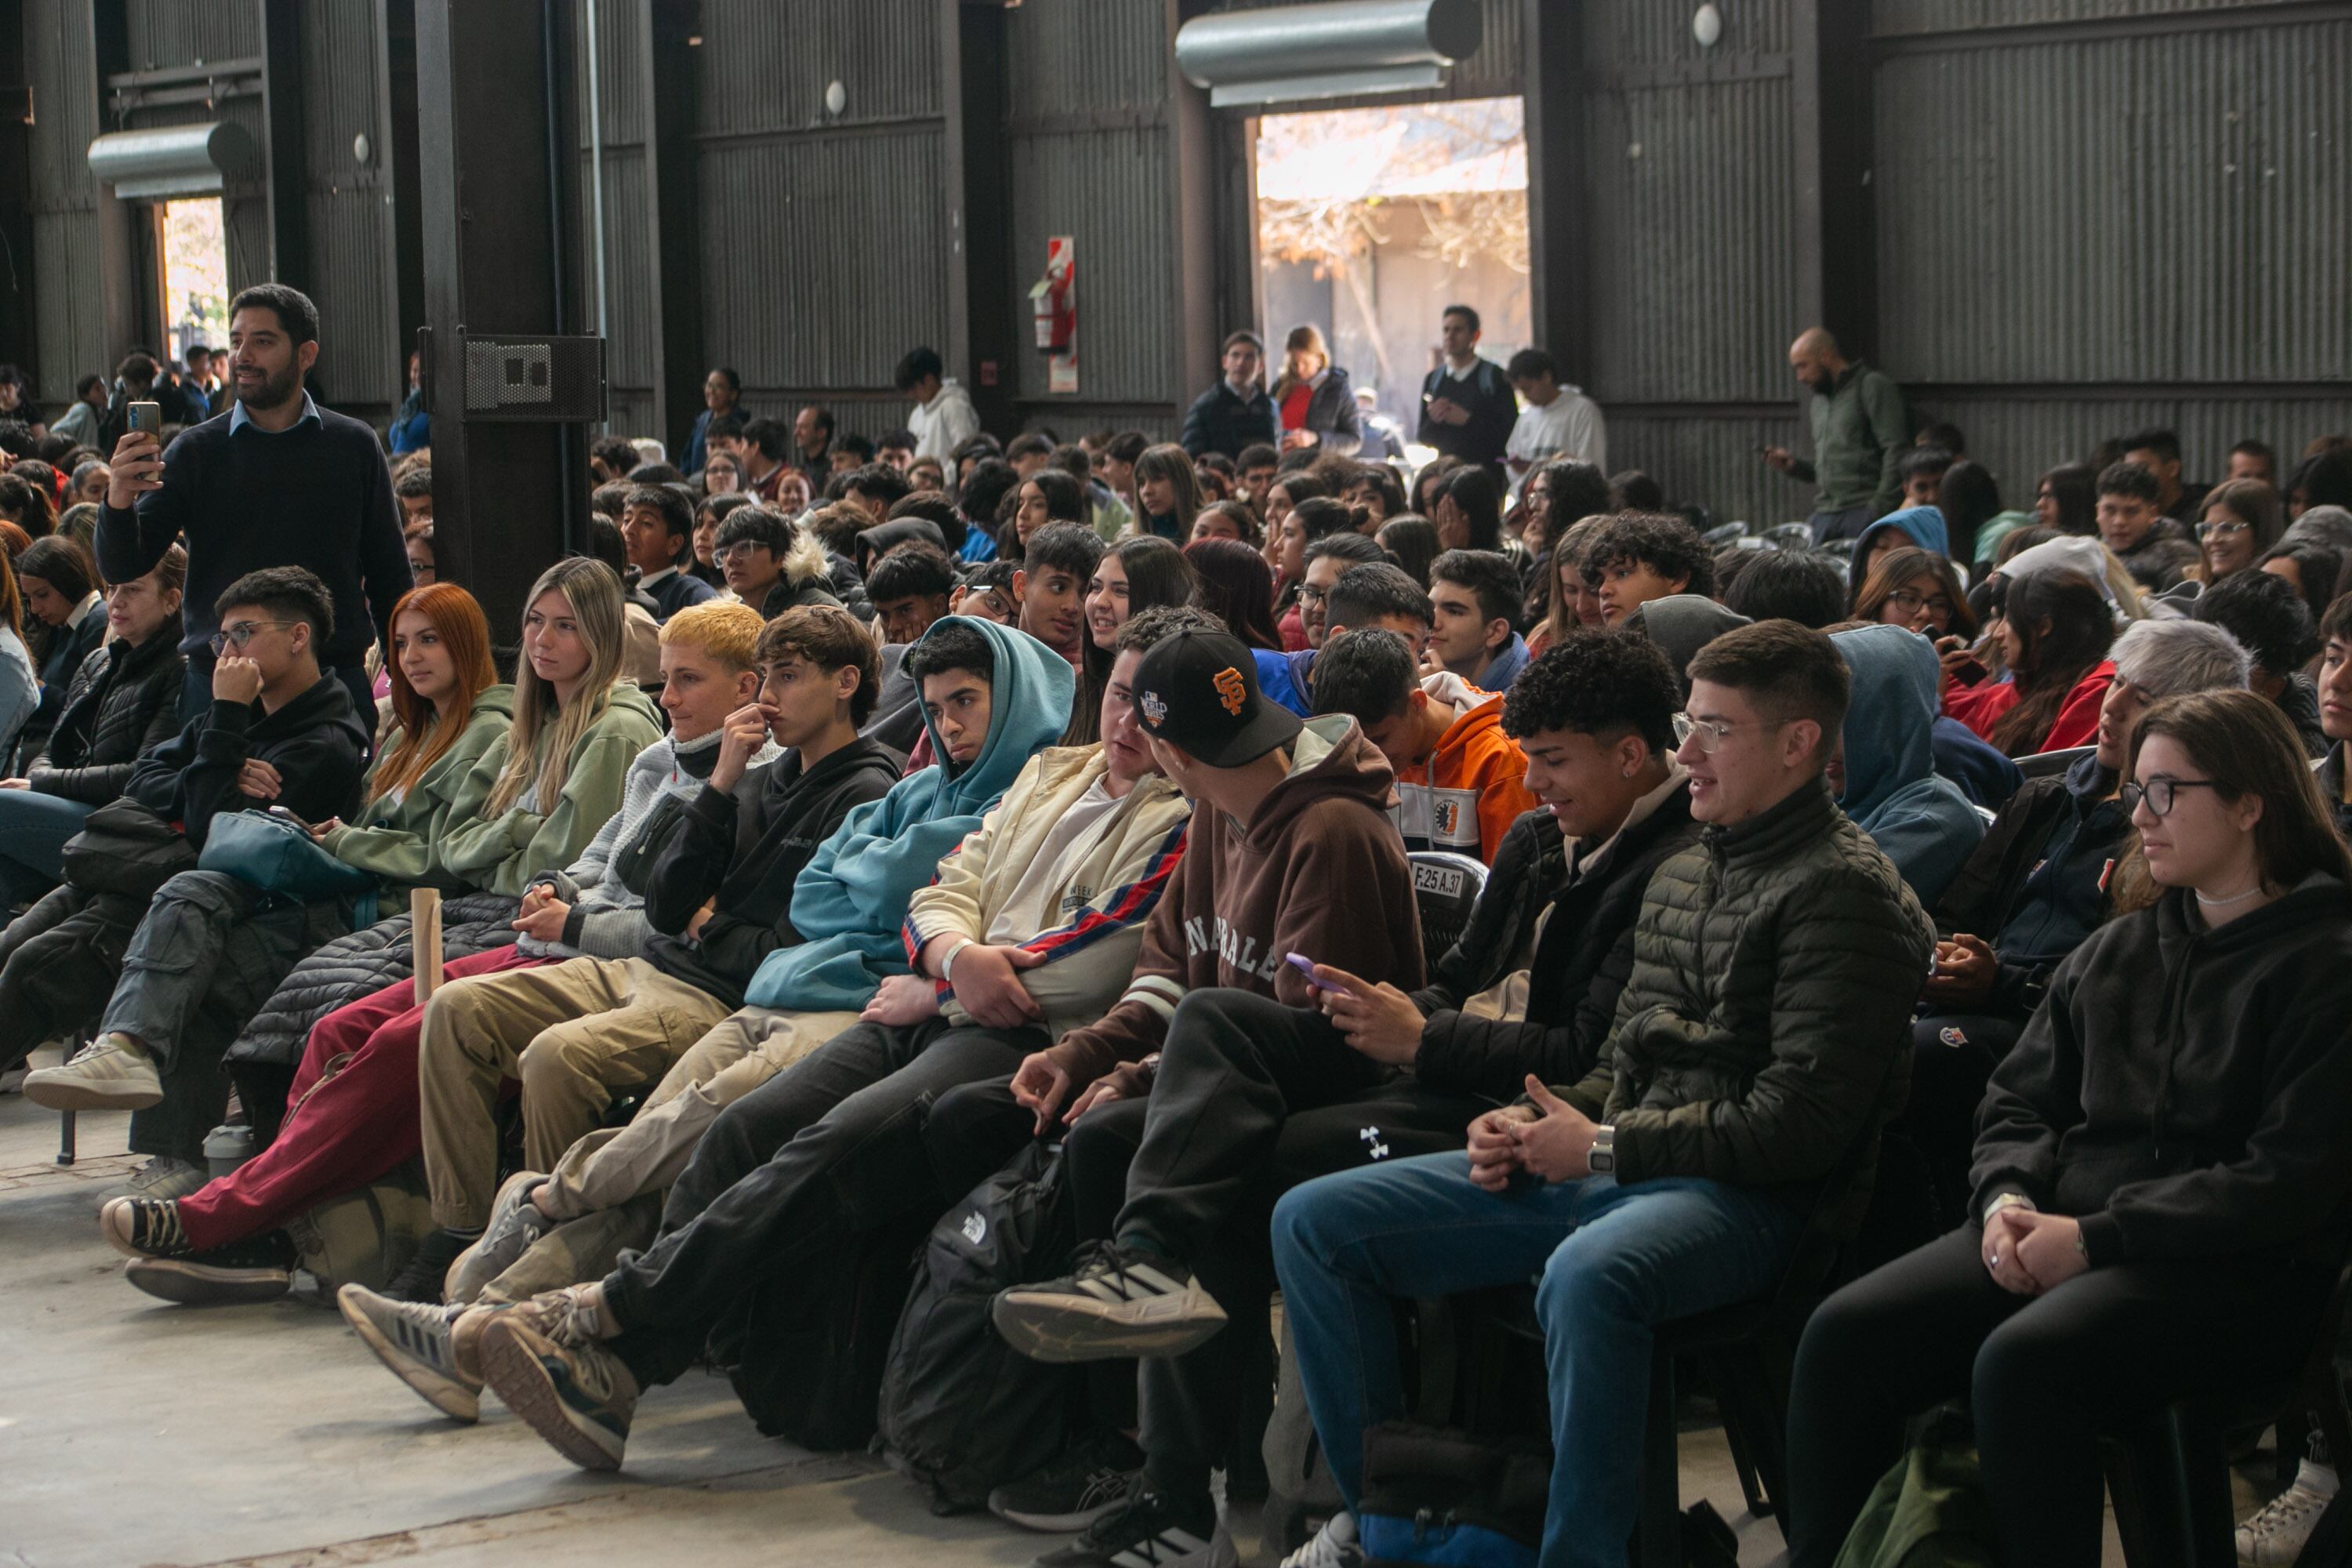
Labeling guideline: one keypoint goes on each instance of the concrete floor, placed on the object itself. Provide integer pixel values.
(137, 1433)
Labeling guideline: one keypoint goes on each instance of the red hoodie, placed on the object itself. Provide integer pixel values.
(1318, 870)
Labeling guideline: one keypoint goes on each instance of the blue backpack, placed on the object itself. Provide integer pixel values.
(276, 857)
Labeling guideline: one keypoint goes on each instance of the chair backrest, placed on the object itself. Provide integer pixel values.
(1791, 535)
(1444, 888)
(2046, 765)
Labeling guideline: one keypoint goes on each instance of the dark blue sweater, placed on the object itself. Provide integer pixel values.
(318, 496)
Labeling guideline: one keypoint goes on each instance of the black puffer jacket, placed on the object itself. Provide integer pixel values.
(360, 964)
(1580, 965)
(2184, 1091)
(128, 708)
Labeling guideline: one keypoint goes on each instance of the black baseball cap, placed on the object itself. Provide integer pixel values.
(1197, 689)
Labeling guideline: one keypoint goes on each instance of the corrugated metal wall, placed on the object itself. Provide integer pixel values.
(65, 257)
(2155, 215)
(362, 364)
(193, 32)
(621, 39)
(1091, 156)
(823, 237)
(1688, 195)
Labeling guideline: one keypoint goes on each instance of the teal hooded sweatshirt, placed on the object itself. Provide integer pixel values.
(1918, 819)
(850, 901)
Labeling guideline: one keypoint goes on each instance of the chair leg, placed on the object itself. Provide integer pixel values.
(65, 1138)
(1658, 1540)
(1753, 1422)
(2200, 1462)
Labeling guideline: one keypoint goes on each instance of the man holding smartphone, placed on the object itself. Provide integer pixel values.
(275, 481)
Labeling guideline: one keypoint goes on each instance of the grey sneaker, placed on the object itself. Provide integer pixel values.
(110, 1073)
(1119, 1301)
(515, 1225)
(417, 1341)
(569, 1390)
(164, 1178)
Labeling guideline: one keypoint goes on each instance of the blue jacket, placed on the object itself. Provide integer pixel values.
(850, 901)
(1918, 819)
(1923, 525)
(979, 545)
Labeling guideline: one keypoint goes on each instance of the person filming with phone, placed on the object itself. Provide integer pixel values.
(276, 481)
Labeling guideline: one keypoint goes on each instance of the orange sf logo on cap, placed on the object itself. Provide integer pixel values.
(1231, 691)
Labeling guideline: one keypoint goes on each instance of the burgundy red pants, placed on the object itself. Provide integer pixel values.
(342, 1132)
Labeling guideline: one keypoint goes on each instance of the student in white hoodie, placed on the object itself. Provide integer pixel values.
(943, 417)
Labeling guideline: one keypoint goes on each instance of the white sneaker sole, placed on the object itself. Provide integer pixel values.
(74, 1094)
(513, 1371)
(445, 1392)
(186, 1284)
(1066, 1329)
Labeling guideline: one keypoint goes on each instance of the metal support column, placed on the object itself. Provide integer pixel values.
(1557, 208)
(982, 293)
(1835, 233)
(283, 160)
(500, 227)
(673, 209)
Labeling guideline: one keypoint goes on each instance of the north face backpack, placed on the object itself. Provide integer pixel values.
(962, 1412)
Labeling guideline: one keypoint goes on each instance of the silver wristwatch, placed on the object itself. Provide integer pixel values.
(1605, 1148)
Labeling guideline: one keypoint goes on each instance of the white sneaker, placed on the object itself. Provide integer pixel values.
(112, 1073)
(1334, 1546)
(163, 1177)
(2275, 1537)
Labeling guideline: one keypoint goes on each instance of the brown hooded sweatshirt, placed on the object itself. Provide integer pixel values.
(1318, 870)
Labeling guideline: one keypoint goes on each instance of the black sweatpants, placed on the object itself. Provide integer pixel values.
(2044, 1377)
(828, 1149)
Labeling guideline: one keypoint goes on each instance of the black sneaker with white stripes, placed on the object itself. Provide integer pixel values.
(1120, 1301)
(1091, 1477)
(1149, 1533)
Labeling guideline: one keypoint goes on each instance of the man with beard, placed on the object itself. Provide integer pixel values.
(275, 481)
(1860, 431)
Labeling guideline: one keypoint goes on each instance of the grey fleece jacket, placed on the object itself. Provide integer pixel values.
(608, 920)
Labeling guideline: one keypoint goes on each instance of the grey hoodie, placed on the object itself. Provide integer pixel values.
(1681, 623)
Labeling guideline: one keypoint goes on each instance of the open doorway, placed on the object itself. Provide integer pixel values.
(191, 243)
(1372, 221)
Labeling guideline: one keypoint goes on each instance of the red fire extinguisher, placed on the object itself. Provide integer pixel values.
(1054, 300)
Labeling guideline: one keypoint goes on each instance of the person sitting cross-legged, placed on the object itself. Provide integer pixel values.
(1759, 1045)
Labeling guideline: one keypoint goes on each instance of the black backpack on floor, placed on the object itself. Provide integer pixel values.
(961, 1411)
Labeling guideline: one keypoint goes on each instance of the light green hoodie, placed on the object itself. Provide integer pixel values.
(396, 839)
(501, 854)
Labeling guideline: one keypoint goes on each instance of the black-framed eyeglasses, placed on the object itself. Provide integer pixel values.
(1910, 603)
(1310, 595)
(2158, 793)
(241, 634)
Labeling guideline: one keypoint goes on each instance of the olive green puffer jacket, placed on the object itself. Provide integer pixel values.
(1765, 1033)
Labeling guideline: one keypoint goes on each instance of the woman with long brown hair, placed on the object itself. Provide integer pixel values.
(2053, 629)
(1917, 589)
(1232, 585)
(2160, 1176)
(1313, 400)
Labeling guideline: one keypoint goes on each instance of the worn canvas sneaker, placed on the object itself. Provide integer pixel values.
(575, 1394)
(257, 1269)
(2275, 1537)
(110, 1073)
(1092, 1477)
(1334, 1546)
(144, 1228)
(1120, 1301)
(416, 1342)
(1145, 1531)
(515, 1225)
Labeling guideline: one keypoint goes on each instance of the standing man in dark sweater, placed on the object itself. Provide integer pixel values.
(1468, 409)
(276, 481)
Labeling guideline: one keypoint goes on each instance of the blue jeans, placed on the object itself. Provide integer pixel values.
(1609, 1263)
(34, 828)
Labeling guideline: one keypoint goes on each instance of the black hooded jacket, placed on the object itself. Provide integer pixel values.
(129, 708)
(745, 849)
(2184, 1091)
(316, 743)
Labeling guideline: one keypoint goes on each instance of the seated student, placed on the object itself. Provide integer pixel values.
(279, 732)
(1635, 557)
(717, 900)
(126, 703)
(59, 583)
(2053, 628)
(1800, 585)
(1460, 778)
(2155, 548)
(1051, 586)
(1884, 771)
(350, 1126)
(1529, 988)
(1328, 559)
(1681, 624)
(771, 564)
(2160, 1172)
(1375, 596)
(1474, 595)
(1915, 527)
(987, 593)
(2334, 688)
(910, 586)
(2271, 622)
(993, 699)
(1144, 573)
(1757, 1050)
(1040, 909)
(2041, 880)
(657, 529)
